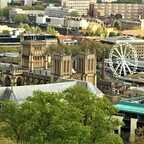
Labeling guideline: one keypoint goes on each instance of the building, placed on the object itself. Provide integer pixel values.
(34, 62)
(15, 11)
(136, 42)
(131, 112)
(20, 93)
(128, 11)
(59, 12)
(24, 2)
(108, 1)
(27, 2)
(81, 6)
(67, 22)
(52, 21)
(3, 4)
(130, 24)
(76, 22)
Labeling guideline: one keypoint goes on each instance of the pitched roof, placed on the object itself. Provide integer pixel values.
(20, 93)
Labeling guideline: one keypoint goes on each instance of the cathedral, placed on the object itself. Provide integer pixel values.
(35, 68)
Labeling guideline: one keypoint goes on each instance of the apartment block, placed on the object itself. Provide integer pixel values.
(60, 12)
(81, 6)
(128, 11)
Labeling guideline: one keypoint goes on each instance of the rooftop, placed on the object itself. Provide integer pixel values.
(20, 93)
(122, 39)
(132, 105)
(133, 32)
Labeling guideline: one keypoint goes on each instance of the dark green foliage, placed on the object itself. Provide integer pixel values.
(73, 14)
(93, 46)
(118, 24)
(50, 30)
(21, 18)
(74, 116)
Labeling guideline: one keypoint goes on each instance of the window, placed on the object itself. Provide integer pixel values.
(89, 64)
(92, 64)
(68, 66)
(64, 66)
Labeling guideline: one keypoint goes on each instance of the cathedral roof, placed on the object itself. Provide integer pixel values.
(20, 93)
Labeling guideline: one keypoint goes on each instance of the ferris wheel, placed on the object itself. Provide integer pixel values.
(123, 59)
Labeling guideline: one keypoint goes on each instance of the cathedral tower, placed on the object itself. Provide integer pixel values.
(86, 65)
(61, 66)
(33, 55)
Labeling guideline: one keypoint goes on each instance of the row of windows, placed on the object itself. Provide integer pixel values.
(81, 64)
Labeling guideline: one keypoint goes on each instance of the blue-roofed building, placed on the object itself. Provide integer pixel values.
(131, 111)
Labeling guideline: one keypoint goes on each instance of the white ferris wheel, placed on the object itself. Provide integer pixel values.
(123, 59)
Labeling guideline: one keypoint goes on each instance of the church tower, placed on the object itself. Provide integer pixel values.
(86, 65)
(33, 55)
(61, 66)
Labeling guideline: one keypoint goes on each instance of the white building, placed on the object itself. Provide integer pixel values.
(28, 2)
(81, 6)
(52, 21)
(76, 23)
(24, 2)
(62, 22)
(3, 4)
(53, 11)
(108, 1)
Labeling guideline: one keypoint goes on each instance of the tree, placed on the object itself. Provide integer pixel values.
(21, 18)
(118, 16)
(139, 135)
(27, 27)
(6, 12)
(118, 24)
(50, 30)
(5, 32)
(21, 25)
(74, 116)
(38, 30)
(99, 31)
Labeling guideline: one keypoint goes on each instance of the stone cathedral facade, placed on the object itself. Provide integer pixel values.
(33, 67)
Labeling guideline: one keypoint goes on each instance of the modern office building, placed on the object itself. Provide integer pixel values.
(81, 6)
(60, 12)
(128, 11)
(3, 4)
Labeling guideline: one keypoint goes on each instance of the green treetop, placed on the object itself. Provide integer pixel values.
(74, 116)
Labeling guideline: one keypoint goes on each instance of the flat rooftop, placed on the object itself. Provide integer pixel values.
(132, 105)
(122, 39)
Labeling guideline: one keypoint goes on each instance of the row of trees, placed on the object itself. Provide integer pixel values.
(74, 116)
(93, 46)
(37, 29)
